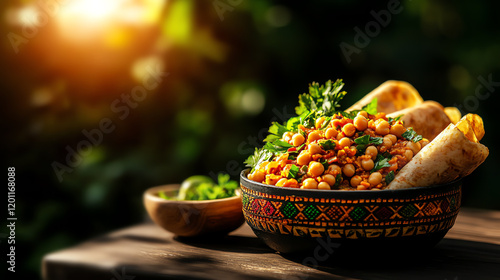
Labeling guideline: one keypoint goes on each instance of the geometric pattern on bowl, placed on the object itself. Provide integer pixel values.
(359, 218)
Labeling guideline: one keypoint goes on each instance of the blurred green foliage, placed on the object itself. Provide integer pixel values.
(229, 77)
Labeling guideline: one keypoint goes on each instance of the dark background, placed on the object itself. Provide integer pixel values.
(231, 70)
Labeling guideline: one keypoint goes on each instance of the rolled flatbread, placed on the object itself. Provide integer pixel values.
(391, 96)
(427, 119)
(454, 153)
(453, 114)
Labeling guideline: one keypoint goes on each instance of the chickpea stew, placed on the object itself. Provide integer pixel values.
(324, 148)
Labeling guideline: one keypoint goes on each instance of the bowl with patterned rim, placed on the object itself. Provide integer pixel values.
(293, 220)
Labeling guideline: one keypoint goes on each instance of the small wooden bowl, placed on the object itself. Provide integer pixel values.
(193, 217)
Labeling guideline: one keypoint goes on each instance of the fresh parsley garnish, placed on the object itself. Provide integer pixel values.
(276, 131)
(321, 101)
(327, 145)
(277, 146)
(338, 180)
(292, 173)
(325, 163)
(371, 108)
(365, 140)
(411, 135)
(350, 115)
(389, 177)
(324, 98)
(393, 120)
(259, 156)
(381, 162)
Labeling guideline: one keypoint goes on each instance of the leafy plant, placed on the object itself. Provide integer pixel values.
(207, 189)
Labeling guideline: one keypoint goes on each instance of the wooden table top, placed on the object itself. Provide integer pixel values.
(471, 250)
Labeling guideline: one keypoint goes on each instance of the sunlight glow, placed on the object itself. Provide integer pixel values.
(84, 16)
(85, 19)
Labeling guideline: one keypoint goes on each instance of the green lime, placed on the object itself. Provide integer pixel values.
(188, 187)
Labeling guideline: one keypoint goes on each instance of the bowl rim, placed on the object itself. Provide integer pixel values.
(321, 193)
(152, 194)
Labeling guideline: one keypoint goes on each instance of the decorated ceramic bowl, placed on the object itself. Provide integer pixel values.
(292, 220)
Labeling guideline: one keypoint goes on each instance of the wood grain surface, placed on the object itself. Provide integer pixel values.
(471, 250)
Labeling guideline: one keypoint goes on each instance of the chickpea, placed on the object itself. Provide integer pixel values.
(356, 180)
(313, 136)
(257, 176)
(415, 147)
(363, 113)
(324, 186)
(349, 170)
(292, 183)
(345, 142)
(329, 178)
(367, 164)
(392, 137)
(408, 155)
(360, 122)
(387, 142)
(287, 136)
(371, 151)
(298, 139)
(398, 130)
(424, 142)
(319, 122)
(331, 133)
(349, 129)
(314, 149)
(361, 188)
(334, 169)
(309, 183)
(382, 127)
(316, 169)
(271, 180)
(375, 178)
(304, 158)
(281, 182)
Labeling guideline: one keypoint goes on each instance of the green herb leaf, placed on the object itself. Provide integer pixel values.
(371, 108)
(411, 135)
(389, 177)
(277, 146)
(381, 162)
(392, 120)
(365, 140)
(350, 115)
(376, 140)
(259, 156)
(276, 131)
(327, 145)
(338, 180)
(326, 122)
(325, 163)
(294, 170)
(324, 98)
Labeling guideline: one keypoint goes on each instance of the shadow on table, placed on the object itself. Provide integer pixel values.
(451, 259)
(132, 237)
(230, 243)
